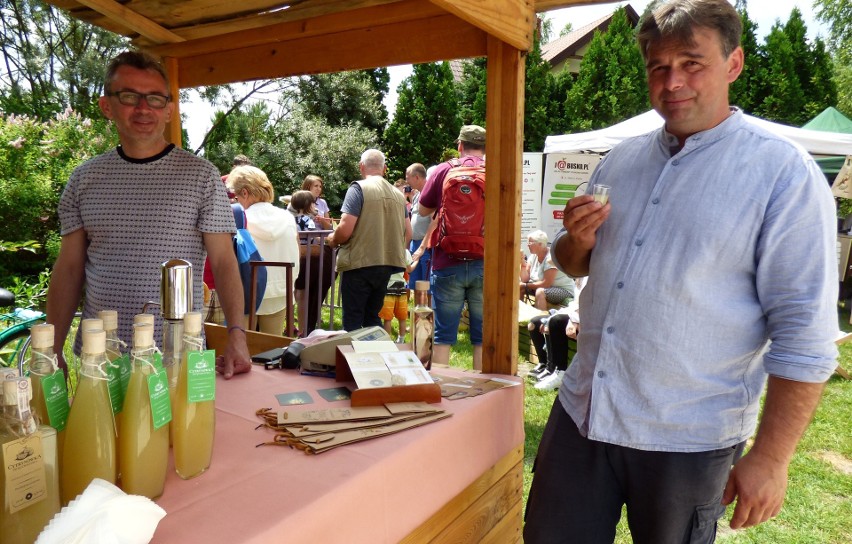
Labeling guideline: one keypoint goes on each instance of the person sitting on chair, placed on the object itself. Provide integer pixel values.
(540, 279)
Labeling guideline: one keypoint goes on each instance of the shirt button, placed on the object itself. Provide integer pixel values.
(620, 284)
(601, 373)
(638, 242)
(655, 201)
(675, 162)
(610, 329)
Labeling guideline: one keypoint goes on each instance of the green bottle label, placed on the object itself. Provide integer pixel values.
(158, 393)
(201, 376)
(56, 399)
(116, 395)
(157, 361)
(124, 369)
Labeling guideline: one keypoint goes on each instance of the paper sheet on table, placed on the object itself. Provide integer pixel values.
(373, 346)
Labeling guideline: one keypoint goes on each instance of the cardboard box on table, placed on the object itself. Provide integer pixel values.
(378, 396)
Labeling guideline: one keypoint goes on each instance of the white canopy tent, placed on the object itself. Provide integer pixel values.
(814, 141)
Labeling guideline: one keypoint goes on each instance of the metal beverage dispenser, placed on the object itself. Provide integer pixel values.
(175, 301)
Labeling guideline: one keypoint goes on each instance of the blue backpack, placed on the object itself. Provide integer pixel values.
(246, 251)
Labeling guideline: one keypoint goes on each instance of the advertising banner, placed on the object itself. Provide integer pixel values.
(530, 196)
(565, 174)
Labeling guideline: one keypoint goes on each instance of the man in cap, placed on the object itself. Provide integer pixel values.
(455, 281)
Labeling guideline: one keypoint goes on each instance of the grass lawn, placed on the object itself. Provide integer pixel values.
(818, 508)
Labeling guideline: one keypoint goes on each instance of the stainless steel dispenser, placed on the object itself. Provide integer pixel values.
(175, 301)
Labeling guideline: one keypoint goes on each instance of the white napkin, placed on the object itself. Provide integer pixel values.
(104, 514)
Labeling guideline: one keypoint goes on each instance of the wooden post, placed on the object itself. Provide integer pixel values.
(173, 132)
(504, 128)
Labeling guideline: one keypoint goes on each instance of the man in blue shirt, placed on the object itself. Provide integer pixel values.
(711, 267)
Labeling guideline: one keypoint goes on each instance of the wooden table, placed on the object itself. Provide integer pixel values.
(456, 480)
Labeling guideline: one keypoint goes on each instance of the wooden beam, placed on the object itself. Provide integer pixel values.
(173, 129)
(407, 10)
(302, 13)
(504, 119)
(449, 37)
(129, 18)
(547, 5)
(512, 21)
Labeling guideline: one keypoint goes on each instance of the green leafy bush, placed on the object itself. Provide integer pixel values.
(36, 159)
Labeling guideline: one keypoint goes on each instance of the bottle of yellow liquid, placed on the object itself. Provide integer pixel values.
(194, 416)
(29, 480)
(143, 445)
(172, 345)
(89, 450)
(118, 365)
(49, 390)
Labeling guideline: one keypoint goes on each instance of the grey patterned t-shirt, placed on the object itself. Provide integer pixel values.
(138, 214)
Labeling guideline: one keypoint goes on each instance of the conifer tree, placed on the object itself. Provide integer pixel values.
(611, 84)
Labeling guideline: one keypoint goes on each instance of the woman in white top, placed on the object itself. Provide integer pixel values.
(313, 184)
(275, 235)
(540, 278)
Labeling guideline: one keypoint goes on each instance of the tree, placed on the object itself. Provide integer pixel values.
(540, 110)
(51, 61)
(567, 29)
(426, 121)
(838, 15)
(471, 92)
(747, 90)
(611, 84)
(342, 98)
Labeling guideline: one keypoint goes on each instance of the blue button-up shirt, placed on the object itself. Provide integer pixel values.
(708, 255)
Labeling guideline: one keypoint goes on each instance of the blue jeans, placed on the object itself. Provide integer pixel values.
(451, 286)
(423, 269)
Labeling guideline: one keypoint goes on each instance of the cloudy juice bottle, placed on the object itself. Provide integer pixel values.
(194, 418)
(143, 445)
(89, 451)
(29, 480)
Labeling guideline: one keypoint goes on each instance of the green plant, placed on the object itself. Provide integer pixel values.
(31, 294)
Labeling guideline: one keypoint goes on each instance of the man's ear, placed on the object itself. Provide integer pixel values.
(736, 61)
(106, 108)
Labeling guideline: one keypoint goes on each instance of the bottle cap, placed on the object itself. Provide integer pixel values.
(421, 285)
(14, 389)
(143, 335)
(94, 341)
(92, 324)
(192, 323)
(110, 318)
(143, 318)
(175, 288)
(42, 335)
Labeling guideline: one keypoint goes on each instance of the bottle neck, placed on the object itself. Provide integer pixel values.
(192, 342)
(92, 365)
(43, 361)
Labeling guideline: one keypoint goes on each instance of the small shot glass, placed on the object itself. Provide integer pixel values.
(601, 194)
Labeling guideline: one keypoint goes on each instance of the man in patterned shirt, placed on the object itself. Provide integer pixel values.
(129, 210)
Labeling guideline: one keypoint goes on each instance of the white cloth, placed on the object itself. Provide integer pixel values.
(104, 514)
(276, 236)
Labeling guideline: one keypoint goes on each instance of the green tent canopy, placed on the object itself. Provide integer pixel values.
(830, 120)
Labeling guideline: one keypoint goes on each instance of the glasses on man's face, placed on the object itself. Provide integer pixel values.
(130, 98)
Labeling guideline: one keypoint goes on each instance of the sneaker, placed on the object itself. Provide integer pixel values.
(539, 368)
(400, 340)
(551, 382)
(538, 373)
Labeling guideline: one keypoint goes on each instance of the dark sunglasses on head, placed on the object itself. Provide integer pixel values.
(130, 98)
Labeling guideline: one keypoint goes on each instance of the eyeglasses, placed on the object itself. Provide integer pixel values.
(130, 98)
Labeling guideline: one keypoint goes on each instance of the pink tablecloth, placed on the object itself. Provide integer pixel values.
(371, 492)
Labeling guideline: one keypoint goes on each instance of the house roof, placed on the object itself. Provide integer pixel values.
(567, 46)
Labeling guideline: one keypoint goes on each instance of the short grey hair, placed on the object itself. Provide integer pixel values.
(373, 161)
(538, 236)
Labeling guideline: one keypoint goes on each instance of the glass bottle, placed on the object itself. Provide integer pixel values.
(89, 450)
(49, 390)
(118, 366)
(194, 421)
(29, 479)
(172, 346)
(143, 445)
(422, 324)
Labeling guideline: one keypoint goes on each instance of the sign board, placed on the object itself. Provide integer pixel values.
(565, 174)
(530, 196)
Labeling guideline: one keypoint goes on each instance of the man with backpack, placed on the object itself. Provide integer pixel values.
(456, 191)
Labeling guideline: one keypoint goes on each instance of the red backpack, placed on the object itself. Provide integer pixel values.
(461, 219)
